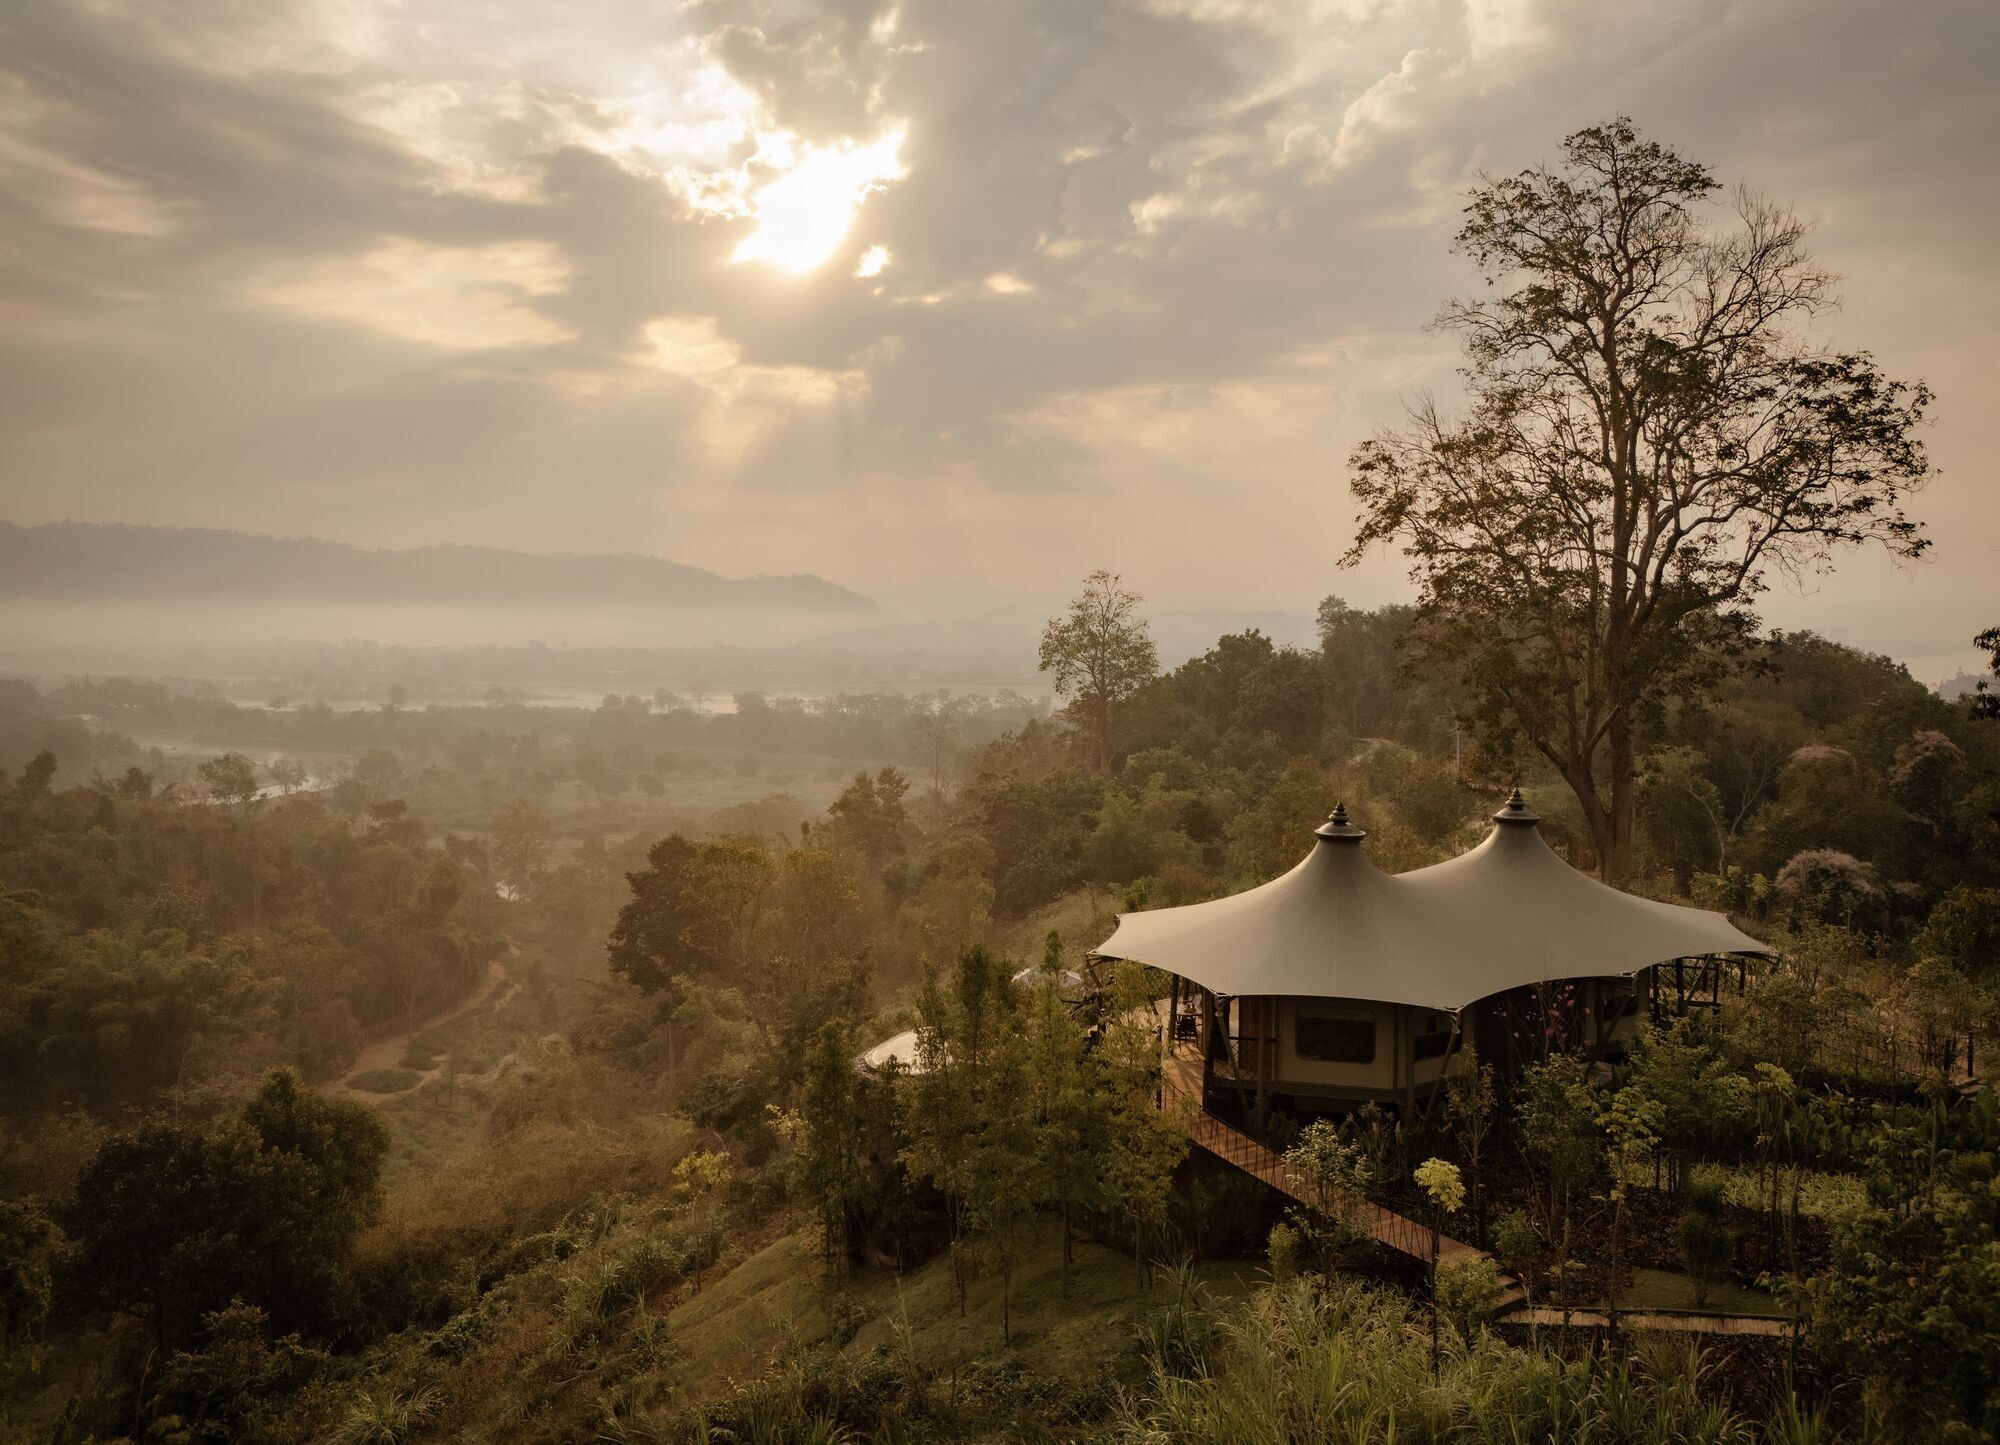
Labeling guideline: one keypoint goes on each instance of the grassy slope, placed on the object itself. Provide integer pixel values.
(772, 1304)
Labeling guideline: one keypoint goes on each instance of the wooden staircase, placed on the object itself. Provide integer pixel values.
(1181, 1096)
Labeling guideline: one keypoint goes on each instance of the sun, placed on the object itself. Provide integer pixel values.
(804, 214)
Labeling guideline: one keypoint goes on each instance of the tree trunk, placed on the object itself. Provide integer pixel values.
(1006, 1298)
(1615, 863)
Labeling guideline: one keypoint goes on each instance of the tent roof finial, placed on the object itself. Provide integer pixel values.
(1336, 825)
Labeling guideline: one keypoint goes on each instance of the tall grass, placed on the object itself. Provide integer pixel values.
(1341, 1364)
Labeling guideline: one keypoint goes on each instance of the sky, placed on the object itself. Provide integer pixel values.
(951, 302)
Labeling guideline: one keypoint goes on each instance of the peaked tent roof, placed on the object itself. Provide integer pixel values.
(1506, 914)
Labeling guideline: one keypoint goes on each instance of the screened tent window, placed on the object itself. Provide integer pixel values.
(1336, 1035)
(1434, 1040)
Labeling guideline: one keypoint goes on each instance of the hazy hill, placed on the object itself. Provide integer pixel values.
(77, 561)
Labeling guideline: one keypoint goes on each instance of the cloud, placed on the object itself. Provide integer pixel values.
(869, 288)
(456, 297)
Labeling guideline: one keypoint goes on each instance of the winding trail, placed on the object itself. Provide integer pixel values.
(387, 1053)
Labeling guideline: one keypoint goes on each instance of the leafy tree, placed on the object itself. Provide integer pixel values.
(1699, 1099)
(232, 778)
(1559, 1124)
(238, 1386)
(1444, 1190)
(1098, 654)
(1650, 433)
(966, 1111)
(1986, 702)
(177, 1221)
(1684, 816)
(1002, 1176)
(36, 776)
(521, 846)
(1928, 778)
(690, 917)
(1910, 1301)
(1066, 1104)
(829, 1164)
(692, 910)
(934, 737)
(1146, 1140)
(29, 1245)
(1515, 1246)
(1963, 930)
(869, 813)
(1704, 1238)
(1775, 1095)
(1468, 1114)
(1631, 1123)
(1334, 1175)
(1272, 833)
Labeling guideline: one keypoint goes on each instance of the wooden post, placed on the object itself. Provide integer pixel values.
(1206, 1039)
(1406, 1062)
(1444, 1066)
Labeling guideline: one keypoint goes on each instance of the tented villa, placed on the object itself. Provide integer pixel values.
(1338, 984)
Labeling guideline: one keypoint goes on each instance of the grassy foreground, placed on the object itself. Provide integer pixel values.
(776, 1304)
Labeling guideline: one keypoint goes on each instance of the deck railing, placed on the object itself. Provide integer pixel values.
(1237, 1149)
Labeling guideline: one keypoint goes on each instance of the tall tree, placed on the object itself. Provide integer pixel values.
(829, 1166)
(1146, 1138)
(691, 915)
(1099, 653)
(1986, 702)
(1649, 434)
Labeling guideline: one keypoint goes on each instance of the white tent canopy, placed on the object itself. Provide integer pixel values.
(1507, 914)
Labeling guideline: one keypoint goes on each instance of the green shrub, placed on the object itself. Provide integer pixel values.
(1283, 1252)
(1346, 1362)
(1515, 1245)
(1704, 1238)
(1466, 1290)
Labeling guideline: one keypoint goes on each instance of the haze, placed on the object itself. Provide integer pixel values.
(947, 303)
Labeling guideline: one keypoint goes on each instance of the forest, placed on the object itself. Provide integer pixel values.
(667, 1094)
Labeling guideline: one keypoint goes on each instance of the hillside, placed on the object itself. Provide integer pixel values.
(76, 561)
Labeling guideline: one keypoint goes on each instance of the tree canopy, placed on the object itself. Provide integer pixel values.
(1649, 434)
(1099, 653)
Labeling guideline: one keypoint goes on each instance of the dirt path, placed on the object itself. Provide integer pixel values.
(387, 1053)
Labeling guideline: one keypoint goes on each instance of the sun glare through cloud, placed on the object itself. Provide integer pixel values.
(804, 214)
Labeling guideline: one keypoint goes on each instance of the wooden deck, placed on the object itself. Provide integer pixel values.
(1180, 1080)
(1672, 1321)
(1180, 1092)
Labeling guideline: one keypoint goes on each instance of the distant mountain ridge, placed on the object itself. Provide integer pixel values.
(87, 561)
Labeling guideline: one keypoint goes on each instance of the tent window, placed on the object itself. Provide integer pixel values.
(1336, 1035)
